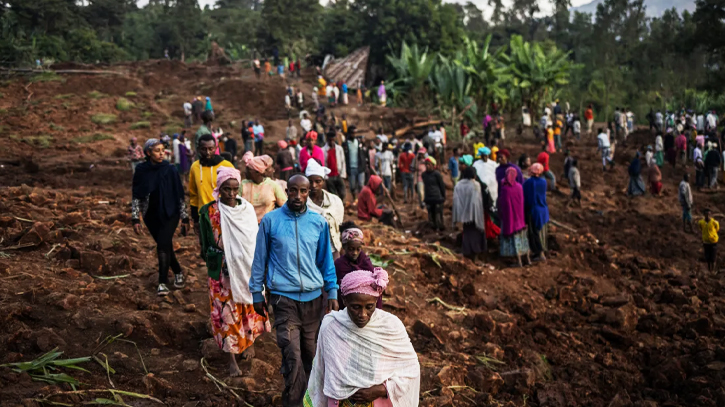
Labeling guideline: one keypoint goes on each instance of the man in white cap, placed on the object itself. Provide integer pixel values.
(328, 205)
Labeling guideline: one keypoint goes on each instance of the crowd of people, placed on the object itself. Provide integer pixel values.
(278, 237)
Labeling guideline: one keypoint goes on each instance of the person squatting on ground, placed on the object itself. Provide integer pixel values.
(709, 228)
(327, 204)
(293, 260)
(468, 210)
(228, 239)
(202, 176)
(513, 239)
(364, 355)
(367, 204)
(354, 257)
(435, 193)
(261, 191)
(158, 198)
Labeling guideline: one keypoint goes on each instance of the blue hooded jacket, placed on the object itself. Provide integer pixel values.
(293, 257)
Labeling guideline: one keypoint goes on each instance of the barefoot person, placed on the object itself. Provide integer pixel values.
(513, 239)
(228, 238)
(293, 259)
(364, 354)
(158, 197)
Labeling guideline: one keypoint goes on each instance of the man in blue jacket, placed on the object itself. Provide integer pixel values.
(293, 259)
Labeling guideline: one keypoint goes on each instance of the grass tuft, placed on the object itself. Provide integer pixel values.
(140, 125)
(124, 104)
(130, 94)
(96, 95)
(46, 77)
(93, 138)
(56, 127)
(41, 141)
(103, 118)
(65, 96)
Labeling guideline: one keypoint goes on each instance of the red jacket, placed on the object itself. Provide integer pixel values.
(367, 205)
(543, 159)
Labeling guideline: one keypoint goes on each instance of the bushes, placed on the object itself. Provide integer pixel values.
(140, 125)
(93, 138)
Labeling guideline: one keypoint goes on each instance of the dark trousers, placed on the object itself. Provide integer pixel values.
(435, 214)
(336, 185)
(259, 147)
(297, 324)
(535, 241)
(163, 233)
(285, 175)
(699, 177)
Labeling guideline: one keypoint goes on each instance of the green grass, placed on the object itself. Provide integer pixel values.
(2, 95)
(46, 77)
(93, 138)
(124, 104)
(96, 95)
(140, 125)
(146, 115)
(42, 141)
(103, 118)
(130, 94)
(14, 137)
(55, 127)
(66, 96)
(65, 105)
(173, 128)
(3, 111)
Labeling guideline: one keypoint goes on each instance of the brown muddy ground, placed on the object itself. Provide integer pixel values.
(623, 313)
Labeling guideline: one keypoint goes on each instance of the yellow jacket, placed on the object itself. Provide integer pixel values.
(202, 181)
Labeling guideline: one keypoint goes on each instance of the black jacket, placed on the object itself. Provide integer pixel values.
(435, 189)
(230, 146)
(712, 159)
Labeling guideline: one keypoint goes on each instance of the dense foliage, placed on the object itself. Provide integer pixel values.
(434, 54)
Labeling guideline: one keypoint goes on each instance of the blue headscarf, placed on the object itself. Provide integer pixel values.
(466, 159)
(484, 151)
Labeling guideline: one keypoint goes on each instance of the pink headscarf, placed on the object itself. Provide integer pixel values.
(282, 144)
(364, 282)
(224, 174)
(259, 163)
(352, 234)
(511, 174)
(535, 170)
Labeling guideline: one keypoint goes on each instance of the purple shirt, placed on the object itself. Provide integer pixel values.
(343, 266)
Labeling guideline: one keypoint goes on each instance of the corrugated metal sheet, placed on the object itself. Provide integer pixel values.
(351, 69)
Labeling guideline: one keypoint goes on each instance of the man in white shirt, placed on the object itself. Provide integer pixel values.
(187, 115)
(711, 120)
(437, 137)
(604, 146)
(384, 164)
(175, 149)
(306, 124)
(382, 137)
(659, 120)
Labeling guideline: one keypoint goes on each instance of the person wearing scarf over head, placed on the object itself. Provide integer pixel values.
(263, 193)
(468, 210)
(513, 239)
(486, 176)
(328, 205)
(636, 185)
(364, 354)
(367, 204)
(158, 198)
(285, 161)
(654, 176)
(228, 239)
(537, 211)
(354, 257)
(504, 158)
(311, 151)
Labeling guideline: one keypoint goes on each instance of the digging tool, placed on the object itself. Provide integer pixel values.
(392, 203)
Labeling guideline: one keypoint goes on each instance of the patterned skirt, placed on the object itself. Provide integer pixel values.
(514, 245)
(235, 326)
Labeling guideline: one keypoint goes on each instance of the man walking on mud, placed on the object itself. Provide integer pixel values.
(293, 260)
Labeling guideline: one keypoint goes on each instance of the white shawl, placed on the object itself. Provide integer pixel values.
(350, 358)
(486, 172)
(333, 210)
(468, 204)
(239, 236)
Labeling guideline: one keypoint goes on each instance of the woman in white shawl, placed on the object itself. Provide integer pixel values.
(364, 355)
(468, 210)
(486, 171)
(328, 205)
(228, 230)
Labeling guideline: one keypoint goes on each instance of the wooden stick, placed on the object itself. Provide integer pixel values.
(392, 203)
(561, 225)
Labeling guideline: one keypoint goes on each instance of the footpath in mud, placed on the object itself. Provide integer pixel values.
(622, 314)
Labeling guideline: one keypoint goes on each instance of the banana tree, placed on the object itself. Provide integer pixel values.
(412, 69)
(536, 71)
(488, 74)
(452, 85)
